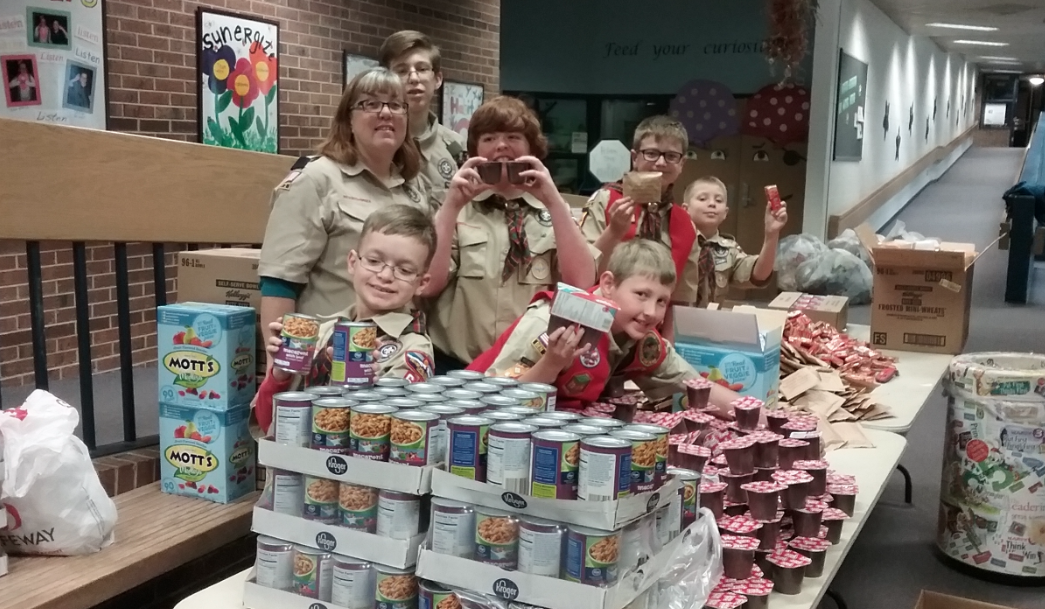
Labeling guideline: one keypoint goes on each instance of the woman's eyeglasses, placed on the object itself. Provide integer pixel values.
(374, 106)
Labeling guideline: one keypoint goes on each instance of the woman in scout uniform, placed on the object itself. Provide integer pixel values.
(500, 244)
(413, 57)
(367, 162)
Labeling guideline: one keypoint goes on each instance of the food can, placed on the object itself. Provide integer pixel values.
(365, 396)
(546, 392)
(330, 424)
(562, 415)
(274, 565)
(605, 468)
(390, 381)
(434, 596)
(298, 343)
(528, 399)
(396, 588)
(669, 519)
(591, 556)
(496, 537)
(293, 418)
(354, 343)
(429, 398)
(415, 438)
(467, 451)
(357, 505)
(508, 456)
(643, 458)
(607, 424)
(354, 583)
(453, 528)
(631, 555)
(424, 389)
(522, 411)
(690, 496)
(459, 393)
(371, 427)
(583, 430)
(540, 546)
(449, 382)
(481, 387)
(321, 499)
(469, 406)
(553, 464)
(391, 392)
(469, 376)
(661, 466)
(445, 412)
(544, 422)
(501, 382)
(501, 416)
(312, 573)
(493, 401)
(288, 492)
(398, 514)
(405, 403)
(326, 391)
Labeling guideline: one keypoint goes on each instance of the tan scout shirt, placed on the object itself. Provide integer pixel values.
(317, 216)
(475, 307)
(594, 222)
(732, 265)
(524, 347)
(441, 148)
(401, 350)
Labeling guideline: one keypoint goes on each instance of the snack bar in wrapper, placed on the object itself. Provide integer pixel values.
(643, 186)
(575, 306)
(773, 197)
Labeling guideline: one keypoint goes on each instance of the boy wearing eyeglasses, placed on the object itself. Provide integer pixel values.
(413, 57)
(659, 144)
(388, 269)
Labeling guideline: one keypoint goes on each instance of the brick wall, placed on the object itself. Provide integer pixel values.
(152, 83)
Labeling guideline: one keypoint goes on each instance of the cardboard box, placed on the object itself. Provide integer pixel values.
(576, 306)
(545, 591)
(206, 355)
(833, 310)
(399, 553)
(220, 276)
(739, 349)
(260, 597)
(605, 515)
(922, 297)
(935, 600)
(345, 468)
(206, 453)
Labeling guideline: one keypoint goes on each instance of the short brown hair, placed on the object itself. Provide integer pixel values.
(404, 41)
(705, 180)
(661, 127)
(507, 114)
(642, 257)
(405, 221)
(340, 142)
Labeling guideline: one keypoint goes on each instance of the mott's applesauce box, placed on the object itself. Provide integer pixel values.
(206, 355)
(206, 453)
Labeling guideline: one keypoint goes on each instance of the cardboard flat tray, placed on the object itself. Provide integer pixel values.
(606, 515)
(260, 597)
(331, 538)
(345, 468)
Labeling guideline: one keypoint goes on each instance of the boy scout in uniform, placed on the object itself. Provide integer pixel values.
(388, 270)
(659, 145)
(413, 57)
(720, 259)
(639, 279)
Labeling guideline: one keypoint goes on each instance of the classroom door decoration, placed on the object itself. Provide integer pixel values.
(460, 101)
(851, 113)
(52, 60)
(238, 81)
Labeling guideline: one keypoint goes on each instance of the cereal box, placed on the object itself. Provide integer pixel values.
(206, 355)
(206, 453)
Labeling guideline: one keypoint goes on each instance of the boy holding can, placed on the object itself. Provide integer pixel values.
(396, 246)
(721, 261)
(639, 279)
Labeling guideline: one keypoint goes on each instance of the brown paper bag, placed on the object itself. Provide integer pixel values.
(853, 433)
(798, 383)
(829, 438)
(643, 186)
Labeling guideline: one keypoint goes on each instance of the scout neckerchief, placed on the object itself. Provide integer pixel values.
(321, 365)
(705, 270)
(515, 217)
(681, 234)
(653, 222)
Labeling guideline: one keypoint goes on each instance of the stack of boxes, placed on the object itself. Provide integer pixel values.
(206, 360)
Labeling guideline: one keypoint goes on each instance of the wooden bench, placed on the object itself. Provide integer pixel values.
(155, 533)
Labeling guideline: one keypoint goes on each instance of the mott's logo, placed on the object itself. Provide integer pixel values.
(240, 455)
(243, 360)
(192, 368)
(193, 462)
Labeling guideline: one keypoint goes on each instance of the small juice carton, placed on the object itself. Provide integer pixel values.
(206, 355)
(206, 453)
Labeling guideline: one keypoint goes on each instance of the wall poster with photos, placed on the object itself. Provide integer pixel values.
(353, 65)
(52, 59)
(237, 81)
(460, 100)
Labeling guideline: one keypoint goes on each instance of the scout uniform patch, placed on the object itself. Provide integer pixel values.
(419, 366)
(517, 370)
(649, 349)
(446, 168)
(387, 348)
(540, 344)
(287, 181)
(591, 358)
(545, 217)
(540, 269)
(413, 194)
(578, 383)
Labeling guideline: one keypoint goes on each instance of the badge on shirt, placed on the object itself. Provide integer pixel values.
(419, 366)
(577, 384)
(545, 217)
(287, 181)
(649, 349)
(591, 358)
(540, 269)
(540, 344)
(517, 370)
(720, 255)
(386, 348)
(413, 194)
(446, 168)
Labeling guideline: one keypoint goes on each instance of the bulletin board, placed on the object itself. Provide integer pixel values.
(52, 59)
(850, 108)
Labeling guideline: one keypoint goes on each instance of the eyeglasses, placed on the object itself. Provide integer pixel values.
(404, 71)
(652, 155)
(374, 106)
(376, 266)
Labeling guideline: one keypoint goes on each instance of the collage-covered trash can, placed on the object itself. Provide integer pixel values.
(992, 492)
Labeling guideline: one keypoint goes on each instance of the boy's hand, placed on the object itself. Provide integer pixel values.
(538, 181)
(466, 184)
(563, 347)
(272, 345)
(776, 220)
(622, 214)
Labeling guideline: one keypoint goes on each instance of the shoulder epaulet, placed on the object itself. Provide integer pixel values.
(302, 161)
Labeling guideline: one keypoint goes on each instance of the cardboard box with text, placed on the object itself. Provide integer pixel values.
(833, 310)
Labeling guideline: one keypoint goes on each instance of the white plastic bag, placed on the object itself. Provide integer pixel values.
(55, 503)
(836, 272)
(695, 568)
(793, 251)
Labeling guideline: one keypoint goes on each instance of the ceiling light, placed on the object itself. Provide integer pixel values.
(1001, 59)
(996, 71)
(958, 26)
(1035, 81)
(982, 43)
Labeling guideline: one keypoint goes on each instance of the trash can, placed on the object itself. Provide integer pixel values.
(992, 491)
